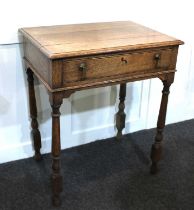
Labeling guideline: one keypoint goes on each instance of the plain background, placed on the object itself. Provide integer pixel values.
(89, 115)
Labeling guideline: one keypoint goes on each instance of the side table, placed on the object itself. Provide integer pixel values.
(69, 58)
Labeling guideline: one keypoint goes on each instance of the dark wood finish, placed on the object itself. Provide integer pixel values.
(56, 101)
(35, 133)
(69, 58)
(156, 151)
(120, 116)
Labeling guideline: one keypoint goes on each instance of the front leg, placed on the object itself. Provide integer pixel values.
(56, 101)
(156, 151)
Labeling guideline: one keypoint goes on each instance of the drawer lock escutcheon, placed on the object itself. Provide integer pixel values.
(124, 60)
(157, 58)
(82, 68)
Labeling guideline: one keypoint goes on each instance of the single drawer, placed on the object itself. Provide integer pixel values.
(89, 68)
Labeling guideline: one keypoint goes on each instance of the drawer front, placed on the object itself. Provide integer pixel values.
(108, 66)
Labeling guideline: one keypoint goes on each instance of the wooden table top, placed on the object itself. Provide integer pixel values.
(95, 38)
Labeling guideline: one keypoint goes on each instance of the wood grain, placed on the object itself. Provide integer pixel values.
(94, 38)
(133, 43)
(37, 61)
(104, 66)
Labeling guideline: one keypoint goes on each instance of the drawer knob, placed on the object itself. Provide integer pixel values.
(82, 68)
(124, 60)
(157, 57)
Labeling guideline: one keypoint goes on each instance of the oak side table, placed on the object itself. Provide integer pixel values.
(69, 58)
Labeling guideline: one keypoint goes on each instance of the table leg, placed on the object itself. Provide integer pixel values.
(120, 116)
(35, 133)
(156, 151)
(56, 149)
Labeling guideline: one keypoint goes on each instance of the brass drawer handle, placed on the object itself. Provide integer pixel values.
(157, 58)
(82, 68)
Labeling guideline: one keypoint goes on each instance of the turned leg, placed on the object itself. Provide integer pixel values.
(35, 133)
(56, 149)
(156, 150)
(120, 116)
